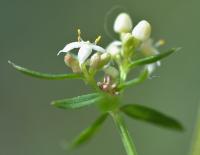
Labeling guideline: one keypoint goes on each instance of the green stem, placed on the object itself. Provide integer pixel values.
(125, 136)
(196, 142)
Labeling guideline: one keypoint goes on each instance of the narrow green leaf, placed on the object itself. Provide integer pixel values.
(143, 76)
(152, 59)
(150, 115)
(77, 102)
(45, 75)
(87, 134)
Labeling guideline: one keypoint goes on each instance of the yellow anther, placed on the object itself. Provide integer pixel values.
(97, 39)
(160, 42)
(79, 35)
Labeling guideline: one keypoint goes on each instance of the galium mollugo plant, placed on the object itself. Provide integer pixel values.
(134, 48)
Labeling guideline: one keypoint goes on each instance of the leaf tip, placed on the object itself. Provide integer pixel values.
(180, 128)
(53, 103)
(10, 62)
(178, 48)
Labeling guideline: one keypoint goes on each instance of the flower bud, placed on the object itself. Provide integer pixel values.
(72, 62)
(114, 48)
(95, 61)
(128, 43)
(105, 58)
(142, 30)
(123, 23)
(112, 71)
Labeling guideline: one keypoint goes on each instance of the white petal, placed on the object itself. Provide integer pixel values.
(123, 23)
(84, 52)
(148, 48)
(116, 43)
(98, 48)
(151, 68)
(158, 63)
(70, 47)
(114, 48)
(142, 30)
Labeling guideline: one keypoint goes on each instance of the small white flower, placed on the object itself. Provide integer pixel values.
(123, 23)
(142, 30)
(85, 49)
(114, 48)
(151, 68)
(148, 49)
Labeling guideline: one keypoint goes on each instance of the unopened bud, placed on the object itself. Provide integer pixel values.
(105, 58)
(142, 30)
(72, 62)
(114, 48)
(123, 23)
(95, 60)
(112, 71)
(128, 39)
(129, 43)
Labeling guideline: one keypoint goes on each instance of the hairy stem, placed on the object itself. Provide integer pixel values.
(125, 136)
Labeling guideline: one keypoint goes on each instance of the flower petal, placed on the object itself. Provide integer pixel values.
(116, 43)
(70, 47)
(84, 52)
(98, 48)
(142, 30)
(151, 68)
(114, 48)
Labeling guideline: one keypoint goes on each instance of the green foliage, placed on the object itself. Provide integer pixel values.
(45, 75)
(152, 59)
(89, 132)
(143, 76)
(77, 102)
(125, 136)
(150, 115)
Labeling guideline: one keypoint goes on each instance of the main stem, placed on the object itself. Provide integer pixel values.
(125, 136)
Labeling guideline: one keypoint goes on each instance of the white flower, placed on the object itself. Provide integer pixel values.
(148, 49)
(114, 48)
(85, 49)
(151, 68)
(123, 23)
(142, 30)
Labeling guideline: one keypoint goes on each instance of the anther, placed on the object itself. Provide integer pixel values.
(97, 39)
(79, 35)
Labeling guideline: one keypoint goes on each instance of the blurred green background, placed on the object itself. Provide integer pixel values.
(31, 34)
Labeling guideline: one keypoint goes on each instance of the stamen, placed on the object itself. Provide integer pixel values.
(159, 43)
(79, 35)
(97, 39)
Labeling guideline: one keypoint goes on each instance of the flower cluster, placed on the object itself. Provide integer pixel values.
(113, 60)
(133, 48)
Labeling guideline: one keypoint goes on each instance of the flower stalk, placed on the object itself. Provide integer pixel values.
(124, 133)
